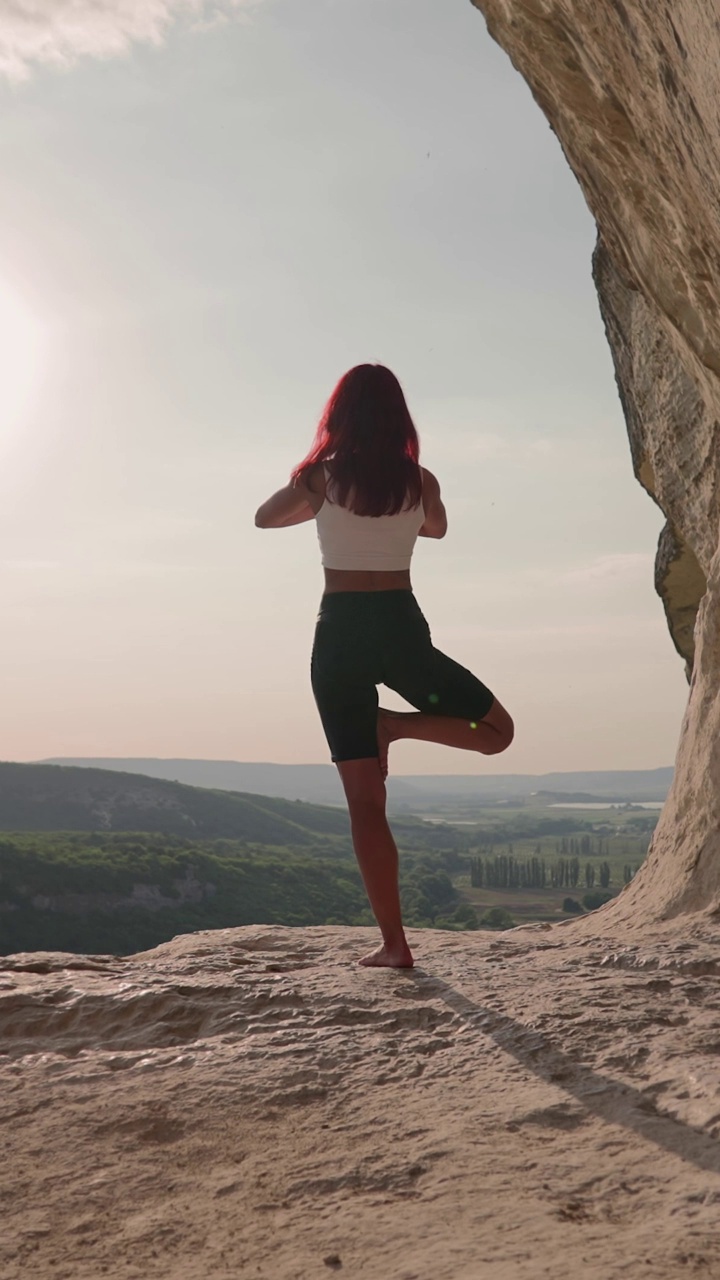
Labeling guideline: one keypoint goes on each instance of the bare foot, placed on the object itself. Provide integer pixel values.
(385, 735)
(384, 740)
(396, 957)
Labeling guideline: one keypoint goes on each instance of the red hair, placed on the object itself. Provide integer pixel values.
(368, 436)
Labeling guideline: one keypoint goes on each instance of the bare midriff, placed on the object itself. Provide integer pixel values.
(367, 580)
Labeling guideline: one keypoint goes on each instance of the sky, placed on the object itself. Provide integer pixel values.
(207, 213)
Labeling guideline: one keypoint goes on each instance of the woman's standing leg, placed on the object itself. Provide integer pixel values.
(346, 667)
(377, 857)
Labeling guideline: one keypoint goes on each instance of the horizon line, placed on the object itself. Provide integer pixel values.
(311, 764)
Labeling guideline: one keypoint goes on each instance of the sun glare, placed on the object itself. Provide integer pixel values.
(21, 359)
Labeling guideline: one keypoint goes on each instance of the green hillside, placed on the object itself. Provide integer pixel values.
(96, 860)
(125, 892)
(58, 798)
(40, 797)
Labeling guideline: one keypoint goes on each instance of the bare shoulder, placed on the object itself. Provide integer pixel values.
(435, 523)
(314, 479)
(431, 483)
(312, 485)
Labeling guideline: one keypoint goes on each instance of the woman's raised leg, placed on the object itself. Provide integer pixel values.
(377, 857)
(491, 735)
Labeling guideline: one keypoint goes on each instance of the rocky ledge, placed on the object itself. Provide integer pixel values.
(249, 1102)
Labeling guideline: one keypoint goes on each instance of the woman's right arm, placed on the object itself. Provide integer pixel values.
(435, 522)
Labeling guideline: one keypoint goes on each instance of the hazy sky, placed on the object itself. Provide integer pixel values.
(208, 213)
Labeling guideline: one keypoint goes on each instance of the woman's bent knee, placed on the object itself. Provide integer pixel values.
(503, 741)
(501, 722)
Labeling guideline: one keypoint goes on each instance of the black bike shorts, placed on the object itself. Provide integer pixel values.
(367, 638)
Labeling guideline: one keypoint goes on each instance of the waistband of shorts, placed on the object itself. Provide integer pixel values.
(359, 602)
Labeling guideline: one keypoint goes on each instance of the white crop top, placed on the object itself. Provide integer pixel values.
(350, 541)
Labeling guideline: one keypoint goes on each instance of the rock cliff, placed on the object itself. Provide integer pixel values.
(630, 89)
(667, 421)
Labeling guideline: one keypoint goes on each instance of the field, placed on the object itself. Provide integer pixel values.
(617, 837)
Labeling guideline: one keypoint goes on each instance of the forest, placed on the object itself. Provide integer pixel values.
(126, 891)
(121, 893)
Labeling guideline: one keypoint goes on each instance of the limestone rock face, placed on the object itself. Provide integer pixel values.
(681, 584)
(662, 405)
(630, 89)
(150, 896)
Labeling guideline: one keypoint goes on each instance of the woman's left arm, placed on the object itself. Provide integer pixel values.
(288, 506)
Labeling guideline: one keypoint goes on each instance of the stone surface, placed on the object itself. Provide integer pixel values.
(249, 1102)
(668, 426)
(681, 585)
(630, 88)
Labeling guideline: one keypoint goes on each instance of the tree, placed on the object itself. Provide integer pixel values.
(466, 916)
(572, 906)
(598, 898)
(497, 918)
(434, 889)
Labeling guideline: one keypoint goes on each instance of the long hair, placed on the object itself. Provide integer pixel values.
(367, 436)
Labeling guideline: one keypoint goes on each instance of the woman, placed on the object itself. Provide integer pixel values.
(363, 485)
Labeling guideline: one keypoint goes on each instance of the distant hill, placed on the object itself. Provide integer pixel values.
(314, 783)
(415, 793)
(56, 798)
(46, 797)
